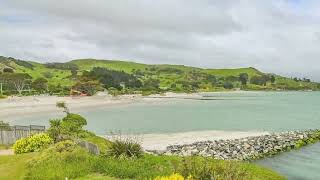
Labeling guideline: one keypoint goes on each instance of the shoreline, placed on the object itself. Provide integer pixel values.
(35, 105)
(160, 141)
(40, 105)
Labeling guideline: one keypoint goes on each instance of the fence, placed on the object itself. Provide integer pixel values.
(9, 134)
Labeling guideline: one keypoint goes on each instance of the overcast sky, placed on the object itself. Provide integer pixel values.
(272, 35)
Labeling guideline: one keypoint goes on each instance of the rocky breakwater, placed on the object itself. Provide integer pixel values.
(246, 148)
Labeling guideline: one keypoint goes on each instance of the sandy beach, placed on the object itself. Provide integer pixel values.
(30, 105)
(23, 106)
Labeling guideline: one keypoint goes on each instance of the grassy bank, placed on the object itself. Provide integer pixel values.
(79, 165)
(14, 167)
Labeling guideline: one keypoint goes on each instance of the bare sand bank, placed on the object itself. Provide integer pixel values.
(23, 106)
(161, 141)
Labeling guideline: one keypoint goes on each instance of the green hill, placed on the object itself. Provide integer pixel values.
(170, 77)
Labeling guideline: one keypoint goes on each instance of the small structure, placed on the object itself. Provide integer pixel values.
(77, 93)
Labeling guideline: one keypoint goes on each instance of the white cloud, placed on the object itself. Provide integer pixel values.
(275, 36)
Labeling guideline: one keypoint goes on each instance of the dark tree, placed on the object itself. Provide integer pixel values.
(173, 86)
(111, 78)
(273, 79)
(243, 77)
(260, 80)
(232, 79)
(8, 70)
(152, 83)
(228, 85)
(40, 84)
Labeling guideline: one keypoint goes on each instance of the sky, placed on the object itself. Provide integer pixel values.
(276, 36)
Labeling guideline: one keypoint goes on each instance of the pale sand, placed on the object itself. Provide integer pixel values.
(23, 106)
(31, 105)
(161, 141)
(6, 152)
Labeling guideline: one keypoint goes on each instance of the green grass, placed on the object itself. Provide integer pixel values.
(234, 72)
(58, 76)
(80, 165)
(14, 167)
(102, 143)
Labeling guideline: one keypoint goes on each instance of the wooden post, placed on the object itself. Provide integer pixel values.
(1, 136)
(1, 93)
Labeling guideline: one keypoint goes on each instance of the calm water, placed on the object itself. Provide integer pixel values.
(267, 111)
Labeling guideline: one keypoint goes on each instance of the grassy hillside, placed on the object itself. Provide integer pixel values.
(177, 76)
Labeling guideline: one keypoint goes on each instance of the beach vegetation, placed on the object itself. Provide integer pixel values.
(125, 148)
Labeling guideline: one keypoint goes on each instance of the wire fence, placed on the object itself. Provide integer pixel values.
(10, 134)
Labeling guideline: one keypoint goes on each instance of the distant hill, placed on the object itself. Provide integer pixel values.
(168, 75)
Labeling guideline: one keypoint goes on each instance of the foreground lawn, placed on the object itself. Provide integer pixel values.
(14, 167)
(81, 165)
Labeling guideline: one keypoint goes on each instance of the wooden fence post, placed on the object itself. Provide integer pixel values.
(1, 136)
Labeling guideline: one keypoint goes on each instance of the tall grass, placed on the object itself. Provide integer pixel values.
(125, 147)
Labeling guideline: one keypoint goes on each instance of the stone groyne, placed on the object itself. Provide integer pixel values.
(249, 148)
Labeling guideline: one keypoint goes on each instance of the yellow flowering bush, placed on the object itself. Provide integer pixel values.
(175, 176)
(32, 143)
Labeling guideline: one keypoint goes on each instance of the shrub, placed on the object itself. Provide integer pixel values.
(65, 146)
(72, 124)
(32, 143)
(55, 129)
(125, 148)
(228, 85)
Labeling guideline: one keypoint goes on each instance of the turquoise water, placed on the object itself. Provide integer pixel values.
(260, 111)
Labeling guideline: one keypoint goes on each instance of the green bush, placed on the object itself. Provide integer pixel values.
(72, 124)
(69, 127)
(65, 146)
(127, 148)
(32, 143)
(55, 129)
